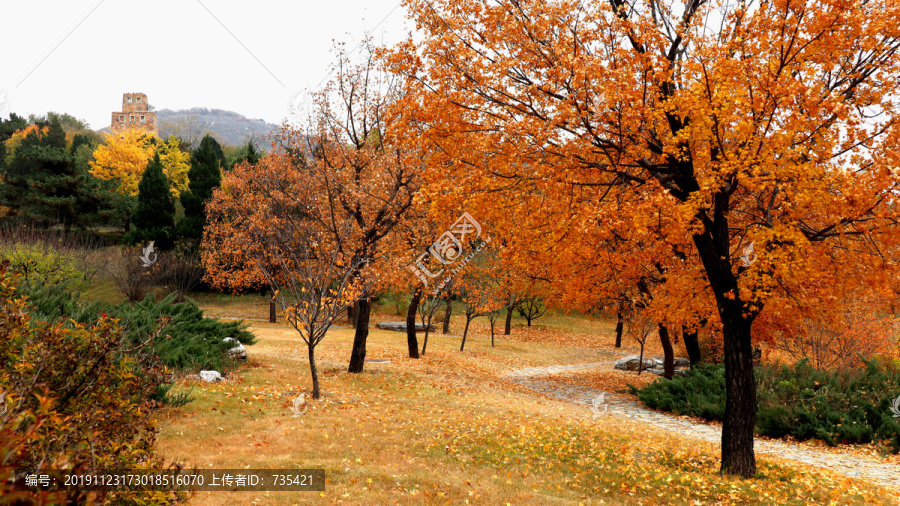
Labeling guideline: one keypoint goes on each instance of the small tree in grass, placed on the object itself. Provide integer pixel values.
(314, 286)
(639, 326)
(426, 309)
(531, 308)
(265, 211)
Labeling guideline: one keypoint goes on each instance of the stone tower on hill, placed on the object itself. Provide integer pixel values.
(135, 113)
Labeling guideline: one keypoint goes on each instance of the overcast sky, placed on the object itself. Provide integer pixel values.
(80, 56)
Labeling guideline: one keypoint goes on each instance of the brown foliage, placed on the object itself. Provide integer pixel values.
(73, 399)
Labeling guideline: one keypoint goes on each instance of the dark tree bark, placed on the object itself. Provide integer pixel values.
(509, 312)
(358, 354)
(425, 341)
(272, 310)
(668, 353)
(411, 342)
(353, 314)
(692, 344)
(620, 322)
(465, 333)
(448, 310)
(738, 457)
(314, 372)
(492, 318)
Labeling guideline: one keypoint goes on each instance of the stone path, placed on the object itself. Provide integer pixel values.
(616, 405)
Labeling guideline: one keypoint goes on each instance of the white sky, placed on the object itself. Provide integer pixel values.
(177, 53)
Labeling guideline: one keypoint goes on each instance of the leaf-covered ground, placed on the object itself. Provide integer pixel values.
(449, 429)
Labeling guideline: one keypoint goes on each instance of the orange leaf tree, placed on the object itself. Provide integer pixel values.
(268, 223)
(772, 124)
(356, 169)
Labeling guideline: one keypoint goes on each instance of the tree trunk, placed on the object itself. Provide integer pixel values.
(740, 400)
(740, 388)
(272, 310)
(411, 341)
(620, 322)
(425, 342)
(358, 355)
(668, 354)
(448, 310)
(509, 312)
(692, 344)
(641, 361)
(353, 314)
(314, 372)
(492, 333)
(465, 332)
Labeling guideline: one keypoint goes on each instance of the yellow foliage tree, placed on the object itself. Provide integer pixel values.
(176, 164)
(124, 158)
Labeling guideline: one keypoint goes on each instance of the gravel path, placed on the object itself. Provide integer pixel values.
(616, 405)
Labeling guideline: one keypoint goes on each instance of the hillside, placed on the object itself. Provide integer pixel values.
(229, 127)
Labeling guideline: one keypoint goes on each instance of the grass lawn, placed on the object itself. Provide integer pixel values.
(449, 429)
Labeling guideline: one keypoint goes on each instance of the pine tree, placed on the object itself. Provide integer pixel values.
(40, 182)
(204, 175)
(154, 216)
(252, 154)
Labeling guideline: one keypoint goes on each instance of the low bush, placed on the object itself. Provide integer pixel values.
(189, 340)
(75, 397)
(847, 406)
(38, 264)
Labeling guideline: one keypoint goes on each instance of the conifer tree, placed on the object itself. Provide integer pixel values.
(204, 175)
(154, 216)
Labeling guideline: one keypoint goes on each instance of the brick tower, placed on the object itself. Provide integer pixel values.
(135, 113)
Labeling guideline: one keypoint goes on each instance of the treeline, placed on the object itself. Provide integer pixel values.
(54, 170)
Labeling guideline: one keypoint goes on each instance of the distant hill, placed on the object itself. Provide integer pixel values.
(228, 127)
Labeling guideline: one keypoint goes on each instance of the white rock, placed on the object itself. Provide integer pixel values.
(211, 376)
(632, 363)
(401, 326)
(677, 361)
(238, 352)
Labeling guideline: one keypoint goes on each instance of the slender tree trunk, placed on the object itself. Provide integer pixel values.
(465, 333)
(668, 353)
(492, 333)
(509, 312)
(358, 354)
(641, 362)
(620, 322)
(448, 310)
(411, 341)
(692, 344)
(425, 342)
(272, 310)
(314, 372)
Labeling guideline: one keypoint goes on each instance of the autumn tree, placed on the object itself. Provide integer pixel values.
(125, 156)
(355, 167)
(770, 124)
(272, 215)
